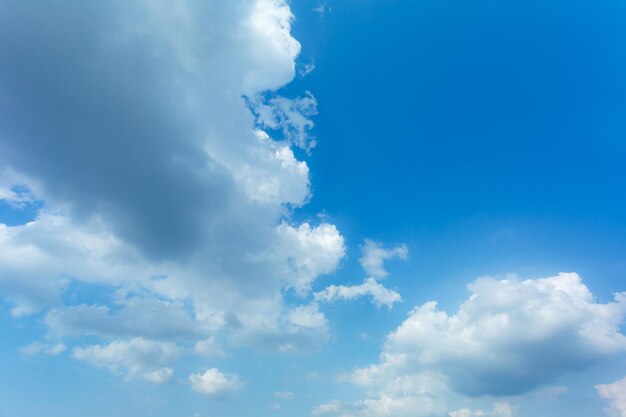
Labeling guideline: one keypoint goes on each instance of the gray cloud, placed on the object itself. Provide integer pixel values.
(507, 338)
(132, 121)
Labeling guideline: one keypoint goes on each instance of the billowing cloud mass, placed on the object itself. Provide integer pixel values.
(615, 394)
(507, 338)
(152, 135)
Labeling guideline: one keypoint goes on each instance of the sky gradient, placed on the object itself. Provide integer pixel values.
(356, 208)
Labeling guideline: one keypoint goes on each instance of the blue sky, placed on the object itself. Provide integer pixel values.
(339, 208)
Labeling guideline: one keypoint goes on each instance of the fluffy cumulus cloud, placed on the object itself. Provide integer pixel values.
(381, 296)
(373, 263)
(132, 358)
(615, 394)
(152, 134)
(214, 383)
(507, 338)
(375, 255)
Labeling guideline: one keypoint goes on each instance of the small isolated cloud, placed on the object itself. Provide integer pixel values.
(305, 68)
(214, 383)
(615, 394)
(372, 261)
(381, 296)
(322, 8)
(38, 348)
(375, 256)
(132, 358)
(507, 338)
(284, 395)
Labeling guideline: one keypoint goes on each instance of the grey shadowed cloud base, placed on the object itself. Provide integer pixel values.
(508, 338)
(133, 123)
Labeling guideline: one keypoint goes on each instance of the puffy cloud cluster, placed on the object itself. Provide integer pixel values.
(507, 338)
(374, 257)
(214, 383)
(615, 394)
(372, 262)
(140, 126)
(370, 287)
(133, 358)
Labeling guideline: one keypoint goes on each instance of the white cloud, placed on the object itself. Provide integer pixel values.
(308, 252)
(305, 69)
(133, 358)
(615, 394)
(333, 407)
(381, 296)
(214, 383)
(552, 391)
(284, 395)
(308, 316)
(321, 9)
(295, 328)
(159, 376)
(37, 348)
(291, 116)
(208, 348)
(509, 337)
(145, 317)
(374, 257)
(159, 186)
(466, 412)
(407, 396)
(372, 261)
(500, 409)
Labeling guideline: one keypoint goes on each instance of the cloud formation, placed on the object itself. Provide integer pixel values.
(615, 394)
(373, 263)
(507, 338)
(375, 256)
(381, 296)
(214, 383)
(164, 159)
(133, 358)
(415, 395)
